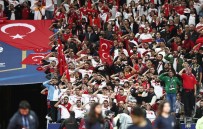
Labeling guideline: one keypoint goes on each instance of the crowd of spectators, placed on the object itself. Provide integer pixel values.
(156, 55)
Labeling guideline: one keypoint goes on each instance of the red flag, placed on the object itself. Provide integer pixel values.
(26, 34)
(89, 4)
(3, 19)
(199, 40)
(62, 65)
(104, 50)
(40, 50)
(40, 68)
(61, 58)
(34, 58)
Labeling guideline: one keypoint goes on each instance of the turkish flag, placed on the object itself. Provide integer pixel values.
(199, 40)
(62, 65)
(34, 58)
(26, 34)
(89, 4)
(104, 50)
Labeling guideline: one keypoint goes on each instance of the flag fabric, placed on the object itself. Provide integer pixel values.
(199, 43)
(199, 40)
(89, 4)
(3, 19)
(34, 58)
(26, 34)
(61, 58)
(104, 50)
(62, 65)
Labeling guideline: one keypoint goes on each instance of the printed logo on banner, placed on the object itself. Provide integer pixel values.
(2, 64)
(10, 58)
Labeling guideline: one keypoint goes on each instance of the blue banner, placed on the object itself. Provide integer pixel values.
(12, 72)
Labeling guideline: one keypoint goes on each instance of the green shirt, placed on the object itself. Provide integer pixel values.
(170, 83)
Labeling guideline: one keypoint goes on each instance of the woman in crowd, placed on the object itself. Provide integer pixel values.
(95, 119)
(164, 119)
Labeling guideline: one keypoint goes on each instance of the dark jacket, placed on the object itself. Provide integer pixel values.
(16, 122)
(199, 113)
(194, 36)
(92, 38)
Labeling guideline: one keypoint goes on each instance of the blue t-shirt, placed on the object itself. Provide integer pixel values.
(148, 126)
(164, 123)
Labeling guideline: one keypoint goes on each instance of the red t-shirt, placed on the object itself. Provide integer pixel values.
(180, 9)
(120, 98)
(188, 81)
(67, 36)
(174, 46)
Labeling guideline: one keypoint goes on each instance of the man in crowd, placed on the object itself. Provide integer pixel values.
(139, 45)
(24, 118)
(189, 90)
(171, 87)
(64, 107)
(199, 111)
(139, 120)
(53, 96)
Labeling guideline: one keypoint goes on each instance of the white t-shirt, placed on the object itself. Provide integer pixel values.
(84, 71)
(87, 108)
(161, 52)
(49, 2)
(122, 81)
(103, 84)
(104, 110)
(94, 63)
(113, 11)
(102, 97)
(141, 10)
(144, 37)
(79, 112)
(74, 98)
(151, 115)
(123, 50)
(158, 89)
(192, 19)
(197, 6)
(64, 112)
(143, 50)
(85, 98)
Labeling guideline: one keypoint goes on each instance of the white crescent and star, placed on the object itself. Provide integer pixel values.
(18, 36)
(34, 58)
(105, 46)
(103, 55)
